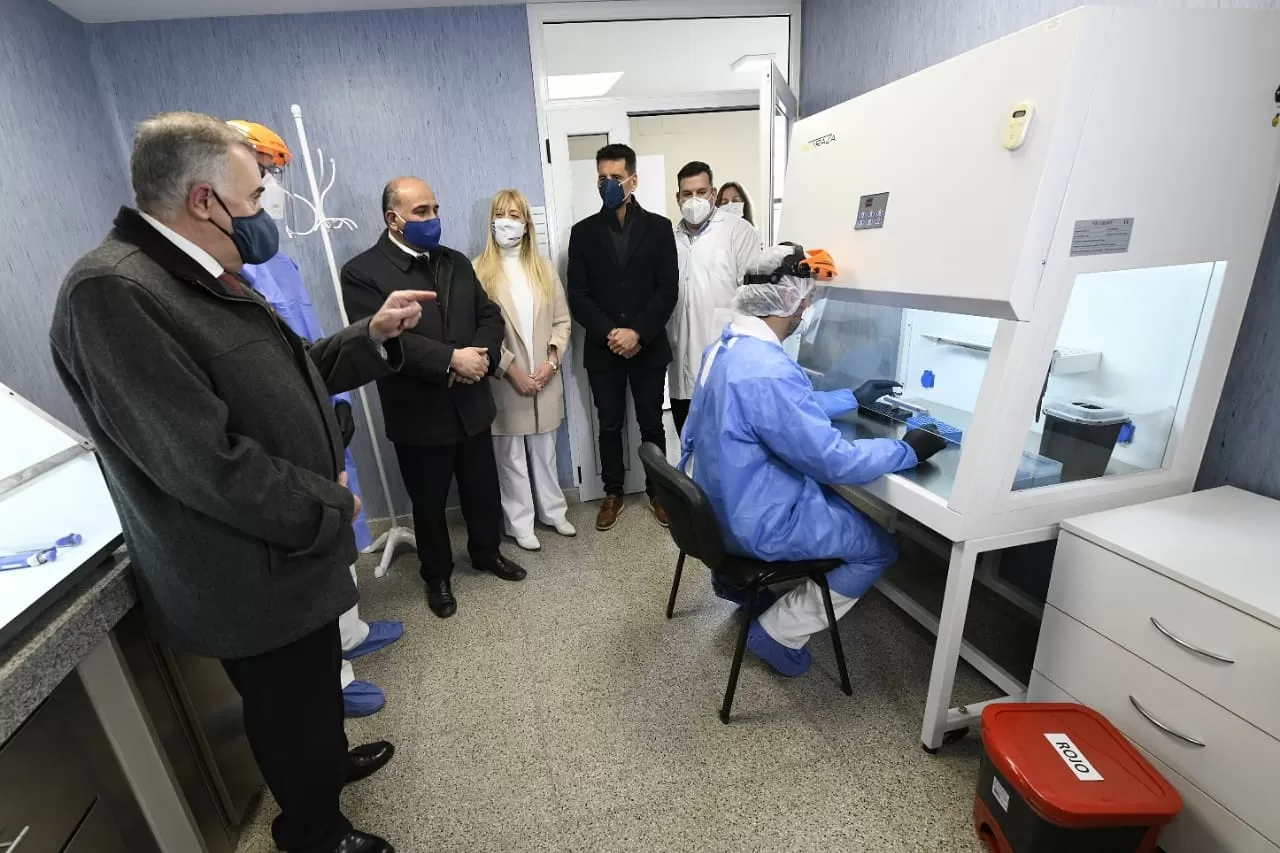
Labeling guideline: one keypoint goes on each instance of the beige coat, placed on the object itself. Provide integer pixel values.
(519, 415)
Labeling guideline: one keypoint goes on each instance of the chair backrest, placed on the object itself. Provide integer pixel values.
(694, 525)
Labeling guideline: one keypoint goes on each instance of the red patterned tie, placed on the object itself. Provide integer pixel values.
(233, 284)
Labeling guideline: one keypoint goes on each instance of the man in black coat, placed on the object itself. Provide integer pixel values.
(438, 409)
(623, 286)
(219, 443)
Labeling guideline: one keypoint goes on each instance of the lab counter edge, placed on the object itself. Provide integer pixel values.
(45, 652)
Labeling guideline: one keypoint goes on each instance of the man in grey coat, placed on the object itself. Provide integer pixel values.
(220, 446)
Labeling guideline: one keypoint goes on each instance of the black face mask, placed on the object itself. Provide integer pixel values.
(256, 237)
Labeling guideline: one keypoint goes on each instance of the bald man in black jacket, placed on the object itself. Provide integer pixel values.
(438, 410)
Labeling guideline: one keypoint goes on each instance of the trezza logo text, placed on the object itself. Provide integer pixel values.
(820, 141)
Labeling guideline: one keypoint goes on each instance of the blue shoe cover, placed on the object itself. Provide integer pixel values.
(785, 661)
(362, 698)
(381, 635)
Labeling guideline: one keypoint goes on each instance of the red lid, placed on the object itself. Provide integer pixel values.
(1074, 768)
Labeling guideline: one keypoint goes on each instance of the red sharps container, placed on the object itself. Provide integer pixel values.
(1062, 779)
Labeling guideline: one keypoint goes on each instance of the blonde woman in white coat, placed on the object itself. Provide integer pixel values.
(527, 386)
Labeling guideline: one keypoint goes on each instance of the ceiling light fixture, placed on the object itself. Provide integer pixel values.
(753, 62)
(564, 86)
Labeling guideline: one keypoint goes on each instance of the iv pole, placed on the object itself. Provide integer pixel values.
(395, 535)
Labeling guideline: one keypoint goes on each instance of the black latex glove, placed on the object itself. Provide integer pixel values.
(873, 389)
(924, 442)
(346, 421)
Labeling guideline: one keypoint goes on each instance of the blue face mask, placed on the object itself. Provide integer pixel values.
(256, 237)
(424, 234)
(613, 194)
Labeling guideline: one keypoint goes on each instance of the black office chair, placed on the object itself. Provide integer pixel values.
(696, 531)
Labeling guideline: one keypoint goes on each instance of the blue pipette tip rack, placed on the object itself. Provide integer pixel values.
(932, 424)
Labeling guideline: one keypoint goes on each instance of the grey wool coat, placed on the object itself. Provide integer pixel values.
(216, 433)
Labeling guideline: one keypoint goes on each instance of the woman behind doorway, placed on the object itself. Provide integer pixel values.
(527, 386)
(734, 197)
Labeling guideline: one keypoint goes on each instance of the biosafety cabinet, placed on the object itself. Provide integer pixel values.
(1050, 241)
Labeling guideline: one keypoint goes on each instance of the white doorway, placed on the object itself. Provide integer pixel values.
(599, 66)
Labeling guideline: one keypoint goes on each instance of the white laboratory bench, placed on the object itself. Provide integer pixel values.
(943, 722)
(1041, 276)
(1165, 617)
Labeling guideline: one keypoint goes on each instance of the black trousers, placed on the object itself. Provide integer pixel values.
(609, 388)
(427, 473)
(680, 413)
(294, 721)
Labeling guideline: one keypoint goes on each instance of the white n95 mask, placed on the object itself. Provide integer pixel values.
(508, 232)
(273, 197)
(734, 208)
(695, 210)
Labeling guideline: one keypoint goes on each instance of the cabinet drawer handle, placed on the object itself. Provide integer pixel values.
(1164, 728)
(1189, 646)
(11, 846)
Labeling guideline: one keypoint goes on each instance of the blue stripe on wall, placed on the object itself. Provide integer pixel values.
(853, 46)
(445, 94)
(59, 185)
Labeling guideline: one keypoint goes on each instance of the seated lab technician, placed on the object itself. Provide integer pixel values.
(439, 408)
(761, 444)
(734, 201)
(714, 249)
(215, 430)
(527, 387)
(280, 283)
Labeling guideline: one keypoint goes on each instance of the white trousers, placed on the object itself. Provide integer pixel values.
(529, 483)
(800, 614)
(354, 631)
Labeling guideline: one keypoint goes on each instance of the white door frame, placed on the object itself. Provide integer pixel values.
(636, 10)
(775, 93)
(581, 434)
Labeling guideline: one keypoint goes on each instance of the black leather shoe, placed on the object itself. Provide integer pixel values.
(508, 570)
(362, 842)
(365, 760)
(440, 598)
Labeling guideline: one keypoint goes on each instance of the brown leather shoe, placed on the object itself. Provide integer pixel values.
(609, 511)
(658, 512)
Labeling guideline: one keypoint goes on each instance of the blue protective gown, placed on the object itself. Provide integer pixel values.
(280, 283)
(763, 445)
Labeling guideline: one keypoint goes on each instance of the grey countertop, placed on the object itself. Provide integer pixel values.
(36, 661)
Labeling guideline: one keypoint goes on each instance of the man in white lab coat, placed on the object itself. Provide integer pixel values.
(715, 249)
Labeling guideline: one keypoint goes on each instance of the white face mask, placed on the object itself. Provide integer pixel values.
(273, 197)
(695, 210)
(807, 320)
(508, 232)
(734, 208)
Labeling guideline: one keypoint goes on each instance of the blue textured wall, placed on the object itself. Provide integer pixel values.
(852, 46)
(60, 185)
(445, 94)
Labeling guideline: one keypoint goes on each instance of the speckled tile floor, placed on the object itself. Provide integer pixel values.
(566, 714)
